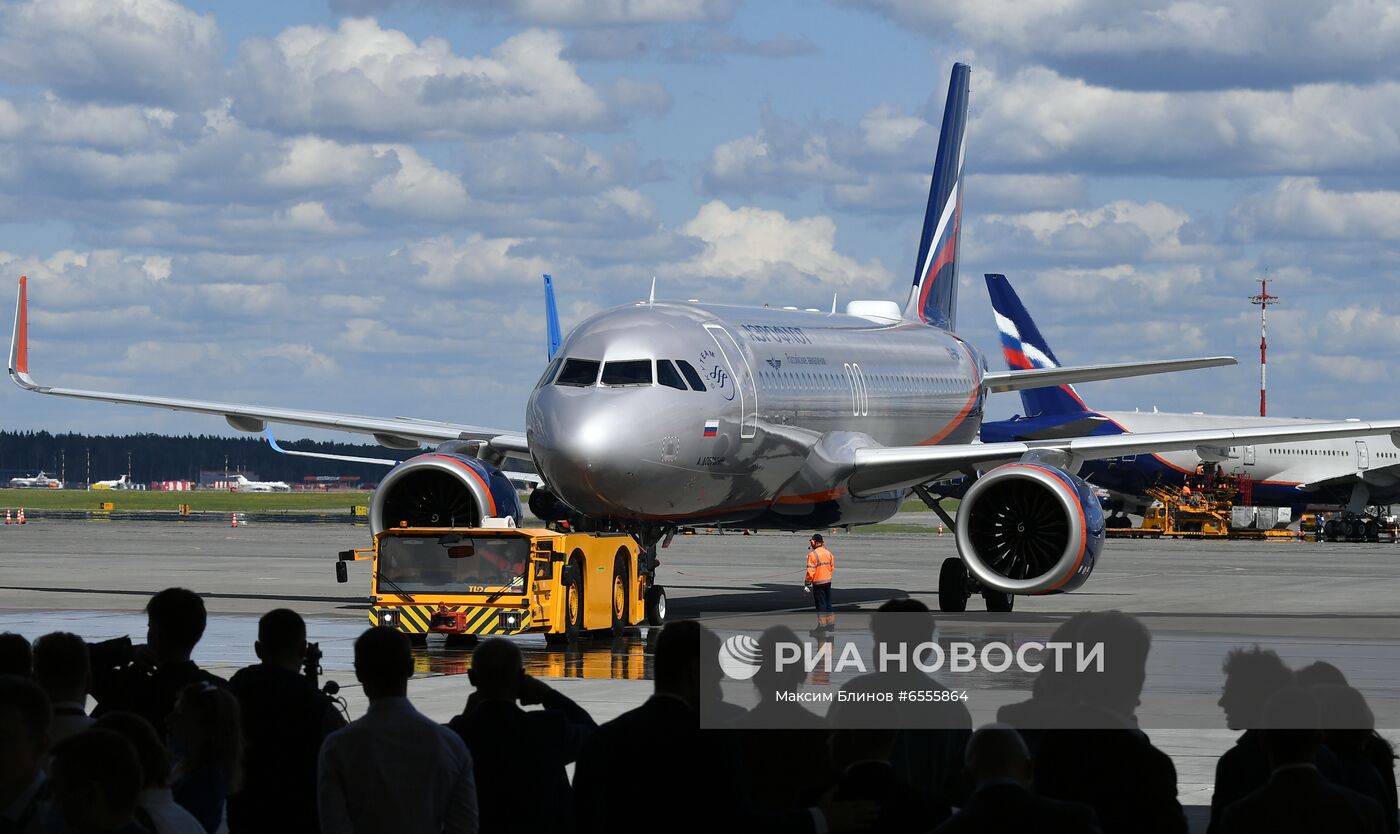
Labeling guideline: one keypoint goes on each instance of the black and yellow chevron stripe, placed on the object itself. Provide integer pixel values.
(481, 619)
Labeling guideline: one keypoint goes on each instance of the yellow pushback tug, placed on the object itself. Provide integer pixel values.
(498, 580)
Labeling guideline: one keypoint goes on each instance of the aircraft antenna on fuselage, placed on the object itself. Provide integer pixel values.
(651, 299)
(833, 302)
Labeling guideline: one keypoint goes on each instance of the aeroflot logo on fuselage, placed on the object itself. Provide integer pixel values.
(768, 333)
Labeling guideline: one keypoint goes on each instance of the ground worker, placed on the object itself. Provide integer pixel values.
(820, 563)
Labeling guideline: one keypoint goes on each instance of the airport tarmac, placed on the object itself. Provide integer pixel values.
(1306, 600)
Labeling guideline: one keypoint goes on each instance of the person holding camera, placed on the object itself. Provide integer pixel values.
(286, 718)
(147, 679)
(820, 566)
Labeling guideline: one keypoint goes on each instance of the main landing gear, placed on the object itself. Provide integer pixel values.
(956, 585)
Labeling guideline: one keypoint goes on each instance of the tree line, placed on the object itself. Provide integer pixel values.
(158, 457)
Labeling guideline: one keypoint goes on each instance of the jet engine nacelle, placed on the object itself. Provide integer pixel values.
(1028, 528)
(442, 489)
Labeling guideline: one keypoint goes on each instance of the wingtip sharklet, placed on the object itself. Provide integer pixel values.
(19, 341)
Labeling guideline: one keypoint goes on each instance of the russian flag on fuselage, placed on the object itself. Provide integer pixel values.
(934, 297)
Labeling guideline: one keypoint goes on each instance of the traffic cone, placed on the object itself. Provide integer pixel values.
(233, 520)
(7, 517)
(21, 515)
(940, 528)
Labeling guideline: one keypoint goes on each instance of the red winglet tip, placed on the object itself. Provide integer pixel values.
(22, 328)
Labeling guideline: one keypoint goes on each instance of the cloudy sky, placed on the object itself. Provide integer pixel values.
(347, 204)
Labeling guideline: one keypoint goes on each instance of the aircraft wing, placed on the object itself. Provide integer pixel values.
(393, 432)
(1382, 477)
(877, 469)
(1017, 380)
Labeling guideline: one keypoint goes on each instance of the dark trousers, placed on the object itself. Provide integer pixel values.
(821, 600)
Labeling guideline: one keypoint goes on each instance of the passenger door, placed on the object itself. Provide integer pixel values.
(733, 356)
(1363, 456)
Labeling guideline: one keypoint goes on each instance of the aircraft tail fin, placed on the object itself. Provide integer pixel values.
(934, 296)
(1025, 348)
(551, 315)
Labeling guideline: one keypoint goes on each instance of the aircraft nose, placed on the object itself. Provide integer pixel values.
(581, 452)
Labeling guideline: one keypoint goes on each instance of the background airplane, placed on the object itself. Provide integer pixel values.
(245, 485)
(1354, 472)
(40, 481)
(119, 483)
(661, 414)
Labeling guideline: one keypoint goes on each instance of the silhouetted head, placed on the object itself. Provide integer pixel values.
(817, 540)
(24, 733)
(852, 745)
(1320, 673)
(175, 620)
(281, 638)
(95, 780)
(16, 656)
(1252, 676)
(1058, 685)
(61, 666)
(1126, 643)
(155, 759)
(207, 726)
(907, 621)
(1292, 720)
(997, 752)
(1347, 720)
(496, 670)
(677, 666)
(383, 662)
(769, 679)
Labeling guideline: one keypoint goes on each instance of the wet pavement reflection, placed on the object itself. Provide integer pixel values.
(228, 644)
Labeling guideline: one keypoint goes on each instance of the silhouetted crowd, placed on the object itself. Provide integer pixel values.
(171, 749)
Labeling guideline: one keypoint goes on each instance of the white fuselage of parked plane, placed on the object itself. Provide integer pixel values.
(245, 485)
(1287, 464)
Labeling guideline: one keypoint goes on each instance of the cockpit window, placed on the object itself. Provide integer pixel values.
(630, 372)
(667, 375)
(690, 375)
(579, 372)
(550, 371)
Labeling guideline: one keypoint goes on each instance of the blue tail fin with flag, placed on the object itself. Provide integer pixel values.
(551, 315)
(1024, 348)
(934, 297)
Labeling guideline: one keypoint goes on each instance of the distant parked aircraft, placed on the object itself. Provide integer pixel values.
(120, 483)
(40, 481)
(245, 485)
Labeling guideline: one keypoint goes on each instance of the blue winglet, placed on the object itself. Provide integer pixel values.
(272, 441)
(551, 313)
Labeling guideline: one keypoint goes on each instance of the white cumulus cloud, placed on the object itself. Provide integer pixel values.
(361, 78)
(154, 51)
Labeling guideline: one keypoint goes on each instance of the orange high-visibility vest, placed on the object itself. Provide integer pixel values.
(819, 565)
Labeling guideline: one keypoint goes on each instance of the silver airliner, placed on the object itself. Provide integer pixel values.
(661, 414)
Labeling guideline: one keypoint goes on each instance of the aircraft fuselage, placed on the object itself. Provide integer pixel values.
(780, 388)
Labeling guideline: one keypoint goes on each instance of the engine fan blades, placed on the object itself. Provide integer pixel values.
(1020, 528)
(431, 498)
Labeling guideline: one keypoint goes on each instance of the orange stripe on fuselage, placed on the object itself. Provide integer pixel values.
(484, 486)
(962, 415)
